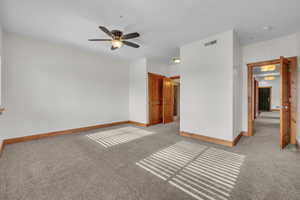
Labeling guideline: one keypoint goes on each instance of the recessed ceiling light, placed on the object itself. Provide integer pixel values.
(269, 78)
(267, 28)
(268, 68)
(176, 60)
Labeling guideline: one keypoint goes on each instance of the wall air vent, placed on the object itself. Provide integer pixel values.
(210, 43)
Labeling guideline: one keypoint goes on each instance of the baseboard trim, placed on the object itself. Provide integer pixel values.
(237, 139)
(275, 109)
(56, 133)
(207, 139)
(212, 139)
(244, 133)
(138, 124)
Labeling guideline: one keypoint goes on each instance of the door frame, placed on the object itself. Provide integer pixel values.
(256, 99)
(174, 77)
(293, 97)
(270, 96)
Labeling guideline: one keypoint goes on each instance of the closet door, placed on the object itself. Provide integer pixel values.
(168, 100)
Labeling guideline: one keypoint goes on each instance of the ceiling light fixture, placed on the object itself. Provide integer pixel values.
(269, 78)
(176, 60)
(117, 43)
(117, 38)
(267, 28)
(268, 68)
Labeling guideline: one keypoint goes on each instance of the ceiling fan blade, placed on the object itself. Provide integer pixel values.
(99, 39)
(130, 36)
(105, 30)
(113, 48)
(131, 44)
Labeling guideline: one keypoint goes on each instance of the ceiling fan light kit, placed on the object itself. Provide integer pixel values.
(116, 43)
(118, 39)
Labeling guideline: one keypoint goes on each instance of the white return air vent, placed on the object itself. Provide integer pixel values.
(210, 43)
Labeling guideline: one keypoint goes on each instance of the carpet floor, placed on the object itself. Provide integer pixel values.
(158, 166)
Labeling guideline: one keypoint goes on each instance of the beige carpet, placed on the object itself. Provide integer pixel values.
(74, 167)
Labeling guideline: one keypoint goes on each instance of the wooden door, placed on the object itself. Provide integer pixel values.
(155, 84)
(168, 100)
(285, 104)
(293, 97)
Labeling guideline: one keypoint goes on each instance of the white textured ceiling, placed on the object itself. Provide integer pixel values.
(164, 25)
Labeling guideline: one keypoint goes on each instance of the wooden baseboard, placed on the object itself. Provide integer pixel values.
(64, 132)
(275, 109)
(138, 124)
(207, 139)
(244, 133)
(213, 140)
(237, 139)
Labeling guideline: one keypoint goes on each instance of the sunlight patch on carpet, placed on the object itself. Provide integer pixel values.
(168, 161)
(199, 171)
(118, 136)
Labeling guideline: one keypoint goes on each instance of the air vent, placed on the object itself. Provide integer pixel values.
(210, 43)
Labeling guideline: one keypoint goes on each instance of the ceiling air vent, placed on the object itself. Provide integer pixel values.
(210, 43)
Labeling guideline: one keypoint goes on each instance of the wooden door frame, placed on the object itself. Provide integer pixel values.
(149, 96)
(270, 96)
(293, 85)
(174, 77)
(256, 99)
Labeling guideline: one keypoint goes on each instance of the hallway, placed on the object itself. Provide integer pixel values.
(267, 128)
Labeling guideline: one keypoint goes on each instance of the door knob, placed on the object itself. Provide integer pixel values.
(284, 107)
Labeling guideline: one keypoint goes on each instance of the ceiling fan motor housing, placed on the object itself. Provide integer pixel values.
(117, 34)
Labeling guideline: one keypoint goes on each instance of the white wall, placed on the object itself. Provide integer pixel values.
(206, 100)
(1, 96)
(275, 96)
(298, 95)
(174, 70)
(237, 86)
(157, 67)
(138, 93)
(1, 57)
(50, 87)
(267, 50)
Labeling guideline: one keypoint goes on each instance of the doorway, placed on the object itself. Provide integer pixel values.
(287, 103)
(176, 113)
(264, 98)
(163, 98)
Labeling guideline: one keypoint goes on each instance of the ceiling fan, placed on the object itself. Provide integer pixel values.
(118, 38)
